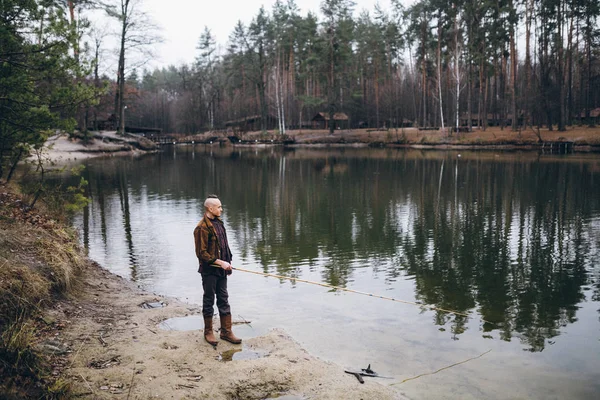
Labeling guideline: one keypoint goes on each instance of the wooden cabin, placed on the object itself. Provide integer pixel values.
(321, 121)
(594, 115)
(251, 123)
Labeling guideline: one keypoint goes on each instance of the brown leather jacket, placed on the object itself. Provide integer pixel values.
(207, 247)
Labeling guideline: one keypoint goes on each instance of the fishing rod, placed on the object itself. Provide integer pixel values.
(355, 291)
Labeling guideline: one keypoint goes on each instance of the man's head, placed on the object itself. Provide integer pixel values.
(212, 205)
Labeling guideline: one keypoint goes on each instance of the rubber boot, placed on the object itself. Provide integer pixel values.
(209, 334)
(226, 333)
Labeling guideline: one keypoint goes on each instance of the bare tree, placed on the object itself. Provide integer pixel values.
(457, 72)
(439, 70)
(97, 36)
(137, 34)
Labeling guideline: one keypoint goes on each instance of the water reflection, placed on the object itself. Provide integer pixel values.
(511, 239)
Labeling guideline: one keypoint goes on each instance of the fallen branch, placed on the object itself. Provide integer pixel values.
(244, 321)
(77, 353)
(180, 386)
(88, 385)
(102, 341)
(131, 383)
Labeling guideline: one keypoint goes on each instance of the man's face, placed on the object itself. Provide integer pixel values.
(215, 208)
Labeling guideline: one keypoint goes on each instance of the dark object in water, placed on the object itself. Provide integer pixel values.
(357, 375)
(366, 372)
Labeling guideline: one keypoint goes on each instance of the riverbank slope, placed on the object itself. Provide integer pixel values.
(61, 148)
(584, 139)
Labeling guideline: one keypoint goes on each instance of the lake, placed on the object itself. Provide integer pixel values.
(510, 239)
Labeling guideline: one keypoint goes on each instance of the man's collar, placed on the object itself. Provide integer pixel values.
(212, 219)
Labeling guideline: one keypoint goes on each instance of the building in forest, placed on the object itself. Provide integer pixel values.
(594, 116)
(492, 119)
(321, 121)
(102, 122)
(251, 123)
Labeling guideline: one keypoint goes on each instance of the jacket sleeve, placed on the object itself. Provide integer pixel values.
(201, 241)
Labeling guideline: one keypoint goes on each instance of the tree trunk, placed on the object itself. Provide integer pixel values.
(331, 85)
(14, 163)
(560, 67)
(569, 68)
(439, 71)
(377, 95)
(588, 99)
(457, 70)
(513, 75)
(528, 17)
(264, 112)
(120, 94)
(75, 43)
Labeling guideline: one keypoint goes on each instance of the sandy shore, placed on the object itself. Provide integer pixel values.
(60, 148)
(115, 349)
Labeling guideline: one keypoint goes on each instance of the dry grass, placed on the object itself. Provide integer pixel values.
(491, 136)
(40, 260)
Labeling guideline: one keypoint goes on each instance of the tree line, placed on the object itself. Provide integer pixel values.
(437, 63)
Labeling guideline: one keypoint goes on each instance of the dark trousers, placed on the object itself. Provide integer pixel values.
(215, 286)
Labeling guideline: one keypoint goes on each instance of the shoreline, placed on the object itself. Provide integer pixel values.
(117, 348)
(108, 144)
(61, 148)
(88, 336)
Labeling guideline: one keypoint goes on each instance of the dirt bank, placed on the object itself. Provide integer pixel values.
(63, 148)
(580, 139)
(118, 351)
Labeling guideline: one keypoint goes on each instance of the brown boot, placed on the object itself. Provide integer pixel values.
(226, 333)
(209, 334)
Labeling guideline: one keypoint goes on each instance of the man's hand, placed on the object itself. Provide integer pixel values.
(225, 265)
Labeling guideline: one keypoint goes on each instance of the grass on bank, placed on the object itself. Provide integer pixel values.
(40, 261)
(492, 136)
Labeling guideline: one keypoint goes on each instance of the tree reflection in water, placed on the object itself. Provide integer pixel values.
(514, 238)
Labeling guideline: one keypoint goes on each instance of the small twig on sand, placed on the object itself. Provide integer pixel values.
(101, 340)
(152, 331)
(441, 369)
(78, 350)
(180, 386)
(131, 383)
(193, 378)
(88, 384)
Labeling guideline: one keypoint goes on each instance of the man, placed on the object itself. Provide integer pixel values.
(215, 257)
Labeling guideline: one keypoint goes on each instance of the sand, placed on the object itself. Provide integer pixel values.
(115, 349)
(61, 148)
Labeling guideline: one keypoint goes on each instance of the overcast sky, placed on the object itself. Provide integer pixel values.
(182, 22)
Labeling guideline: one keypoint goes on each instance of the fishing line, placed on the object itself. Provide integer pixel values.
(357, 292)
(441, 369)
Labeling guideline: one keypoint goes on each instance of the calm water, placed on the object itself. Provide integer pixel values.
(512, 239)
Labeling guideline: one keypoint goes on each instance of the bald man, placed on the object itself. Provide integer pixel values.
(214, 255)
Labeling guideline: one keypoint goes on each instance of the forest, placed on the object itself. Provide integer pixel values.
(433, 64)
